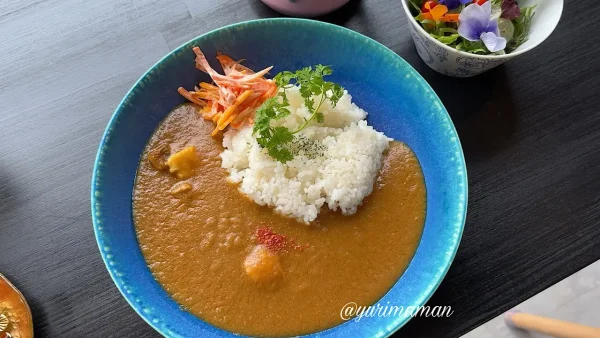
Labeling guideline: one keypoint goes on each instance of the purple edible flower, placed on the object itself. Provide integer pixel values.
(453, 4)
(476, 24)
(510, 9)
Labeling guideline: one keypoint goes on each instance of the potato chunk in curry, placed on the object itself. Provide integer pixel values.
(184, 162)
(262, 265)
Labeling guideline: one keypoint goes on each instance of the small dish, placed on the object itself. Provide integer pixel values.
(15, 314)
(449, 61)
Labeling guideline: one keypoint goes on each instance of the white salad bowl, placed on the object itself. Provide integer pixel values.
(449, 61)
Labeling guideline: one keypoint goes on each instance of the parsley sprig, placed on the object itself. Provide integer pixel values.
(313, 89)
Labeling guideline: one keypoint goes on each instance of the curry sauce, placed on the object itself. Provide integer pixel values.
(197, 235)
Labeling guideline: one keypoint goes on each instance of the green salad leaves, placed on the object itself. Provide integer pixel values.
(522, 28)
(487, 27)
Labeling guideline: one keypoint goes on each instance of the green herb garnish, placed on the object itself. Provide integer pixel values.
(279, 140)
(307, 146)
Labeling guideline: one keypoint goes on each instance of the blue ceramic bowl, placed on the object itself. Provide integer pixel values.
(400, 104)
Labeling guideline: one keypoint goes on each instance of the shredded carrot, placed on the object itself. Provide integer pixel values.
(231, 109)
(206, 95)
(208, 86)
(238, 122)
(189, 96)
(221, 127)
(234, 96)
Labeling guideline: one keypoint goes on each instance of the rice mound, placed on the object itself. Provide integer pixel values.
(339, 169)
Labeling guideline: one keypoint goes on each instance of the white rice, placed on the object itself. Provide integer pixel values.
(341, 177)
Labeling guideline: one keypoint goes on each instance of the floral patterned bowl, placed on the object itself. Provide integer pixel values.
(449, 61)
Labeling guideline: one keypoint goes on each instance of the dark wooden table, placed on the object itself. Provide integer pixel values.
(530, 130)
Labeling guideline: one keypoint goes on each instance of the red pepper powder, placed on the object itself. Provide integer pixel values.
(270, 239)
(276, 242)
(296, 246)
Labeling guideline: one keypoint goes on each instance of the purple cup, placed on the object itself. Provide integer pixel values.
(305, 8)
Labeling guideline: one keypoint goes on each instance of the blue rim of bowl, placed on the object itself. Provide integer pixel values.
(460, 52)
(400, 322)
